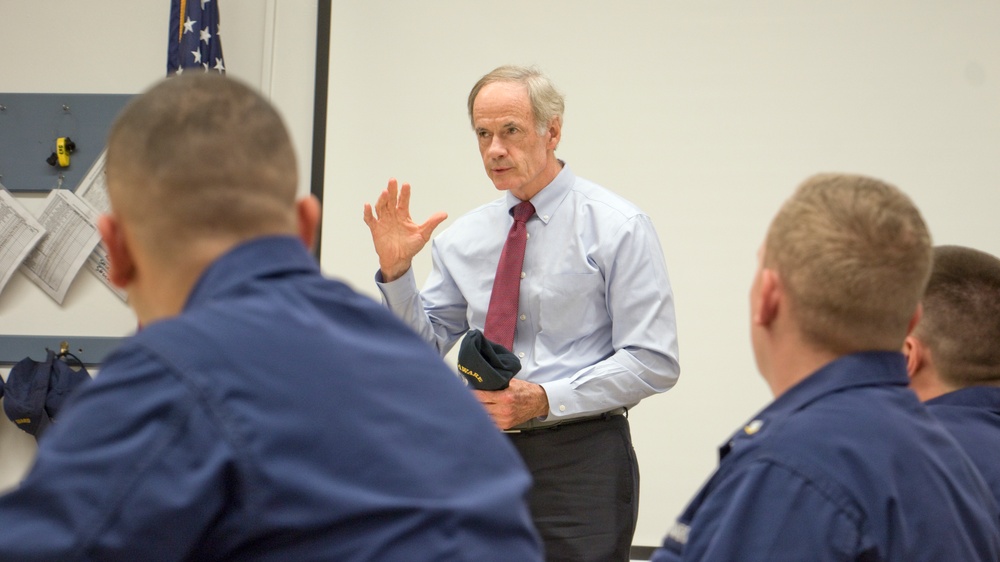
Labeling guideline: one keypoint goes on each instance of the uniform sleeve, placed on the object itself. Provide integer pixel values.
(131, 471)
(644, 330)
(767, 513)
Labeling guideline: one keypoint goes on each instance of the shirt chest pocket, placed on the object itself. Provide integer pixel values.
(572, 304)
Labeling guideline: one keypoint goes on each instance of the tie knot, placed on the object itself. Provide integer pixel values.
(523, 211)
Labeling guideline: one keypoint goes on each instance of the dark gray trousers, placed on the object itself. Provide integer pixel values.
(585, 498)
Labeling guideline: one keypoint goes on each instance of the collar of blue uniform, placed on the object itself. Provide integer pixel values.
(985, 397)
(868, 368)
(259, 257)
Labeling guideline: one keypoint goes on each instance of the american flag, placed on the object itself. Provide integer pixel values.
(194, 37)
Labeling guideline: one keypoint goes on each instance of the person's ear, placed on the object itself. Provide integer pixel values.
(912, 356)
(913, 349)
(555, 132)
(121, 270)
(309, 213)
(769, 297)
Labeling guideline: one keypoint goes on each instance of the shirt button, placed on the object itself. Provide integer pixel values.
(523, 275)
(546, 217)
(524, 317)
(521, 355)
(562, 407)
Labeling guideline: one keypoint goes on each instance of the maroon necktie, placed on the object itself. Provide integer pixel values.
(501, 317)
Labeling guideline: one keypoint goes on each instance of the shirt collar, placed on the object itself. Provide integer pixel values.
(549, 198)
(868, 368)
(260, 257)
(987, 397)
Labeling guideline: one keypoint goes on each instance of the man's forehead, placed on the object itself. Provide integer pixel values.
(502, 101)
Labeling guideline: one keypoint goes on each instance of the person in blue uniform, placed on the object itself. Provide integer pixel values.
(953, 356)
(594, 332)
(845, 463)
(263, 412)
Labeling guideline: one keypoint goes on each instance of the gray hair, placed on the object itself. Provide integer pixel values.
(546, 101)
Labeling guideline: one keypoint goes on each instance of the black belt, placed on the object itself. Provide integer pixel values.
(535, 424)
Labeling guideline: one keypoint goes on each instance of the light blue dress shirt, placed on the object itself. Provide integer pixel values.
(596, 325)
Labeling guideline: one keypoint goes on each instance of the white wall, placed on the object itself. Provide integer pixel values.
(706, 114)
(109, 46)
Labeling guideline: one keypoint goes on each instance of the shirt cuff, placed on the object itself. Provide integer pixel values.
(560, 395)
(399, 290)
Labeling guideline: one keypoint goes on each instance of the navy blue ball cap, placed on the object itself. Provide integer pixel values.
(25, 392)
(486, 365)
(36, 391)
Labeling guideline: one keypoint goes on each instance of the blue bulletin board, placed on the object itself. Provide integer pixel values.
(30, 125)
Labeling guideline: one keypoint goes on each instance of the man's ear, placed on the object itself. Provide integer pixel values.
(309, 213)
(121, 270)
(770, 296)
(555, 133)
(914, 351)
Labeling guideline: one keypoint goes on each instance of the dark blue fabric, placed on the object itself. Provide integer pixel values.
(26, 390)
(63, 381)
(280, 417)
(972, 415)
(193, 40)
(847, 465)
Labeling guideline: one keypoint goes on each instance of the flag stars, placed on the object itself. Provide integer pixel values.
(198, 37)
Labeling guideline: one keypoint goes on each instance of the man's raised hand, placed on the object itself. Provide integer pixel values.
(397, 238)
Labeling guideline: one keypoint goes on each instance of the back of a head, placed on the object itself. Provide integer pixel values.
(546, 101)
(200, 156)
(961, 322)
(854, 255)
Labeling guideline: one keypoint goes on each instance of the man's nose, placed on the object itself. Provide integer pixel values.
(496, 148)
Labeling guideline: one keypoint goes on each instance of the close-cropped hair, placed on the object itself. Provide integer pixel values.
(961, 322)
(854, 255)
(201, 155)
(546, 101)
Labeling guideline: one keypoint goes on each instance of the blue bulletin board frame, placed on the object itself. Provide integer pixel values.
(90, 350)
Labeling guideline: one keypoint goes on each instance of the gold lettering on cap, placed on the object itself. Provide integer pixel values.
(470, 372)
